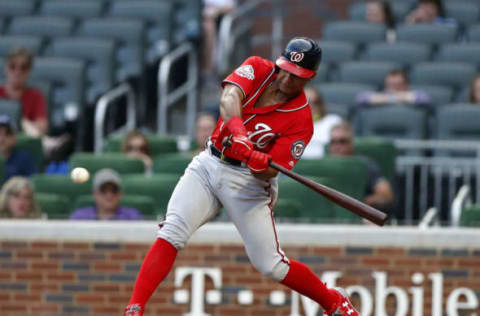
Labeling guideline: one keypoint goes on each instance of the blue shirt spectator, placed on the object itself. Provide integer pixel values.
(17, 162)
(121, 213)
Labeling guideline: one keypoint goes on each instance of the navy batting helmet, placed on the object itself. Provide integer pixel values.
(301, 57)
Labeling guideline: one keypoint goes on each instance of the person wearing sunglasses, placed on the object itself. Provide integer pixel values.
(18, 65)
(136, 145)
(107, 193)
(379, 193)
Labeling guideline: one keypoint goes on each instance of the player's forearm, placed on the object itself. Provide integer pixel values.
(270, 173)
(231, 102)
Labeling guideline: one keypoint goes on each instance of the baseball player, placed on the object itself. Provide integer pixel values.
(264, 116)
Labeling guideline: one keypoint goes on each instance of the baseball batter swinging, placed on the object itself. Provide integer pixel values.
(264, 116)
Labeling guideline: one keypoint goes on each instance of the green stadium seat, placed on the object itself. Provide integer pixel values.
(93, 162)
(33, 146)
(366, 72)
(405, 54)
(159, 145)
(380, 150)
(158, 187)
(61, 185)
(438, 95)
(144, 204)
(356, 32)
(32, 43)
(473, 33)
(172, 163)
(470, 216)
(55, 206)
(464, 52)
(349, 173)
(432, 34)
(450, 74)
(287, 209)
(342, 93)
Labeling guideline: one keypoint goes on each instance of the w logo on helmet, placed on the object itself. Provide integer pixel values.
(296, 57)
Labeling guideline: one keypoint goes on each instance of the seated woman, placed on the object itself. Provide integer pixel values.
(17, 200)
(136, 145)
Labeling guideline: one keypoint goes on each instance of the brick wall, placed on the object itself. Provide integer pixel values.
(96, 278)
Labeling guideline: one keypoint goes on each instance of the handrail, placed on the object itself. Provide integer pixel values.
(101, 110)
(429, 218)
(462, 199)
(188, 88)
(226, 41)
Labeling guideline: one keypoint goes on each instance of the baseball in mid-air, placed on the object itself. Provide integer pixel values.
(80, 175)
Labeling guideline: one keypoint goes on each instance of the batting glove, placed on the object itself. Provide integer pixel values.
(236, 127)
(134, 310)
(241, 147)
(258, 161)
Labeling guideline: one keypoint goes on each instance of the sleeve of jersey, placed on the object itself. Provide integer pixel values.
(288, 149)
(244, 76)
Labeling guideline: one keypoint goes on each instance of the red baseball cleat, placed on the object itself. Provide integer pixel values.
(133, 310)
(344, 307)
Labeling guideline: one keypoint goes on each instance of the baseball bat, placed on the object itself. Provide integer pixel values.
(351, 204)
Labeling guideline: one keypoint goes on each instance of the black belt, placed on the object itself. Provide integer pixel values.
(223, 158)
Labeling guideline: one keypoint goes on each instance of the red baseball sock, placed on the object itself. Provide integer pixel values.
(301, 279)
(155, 267)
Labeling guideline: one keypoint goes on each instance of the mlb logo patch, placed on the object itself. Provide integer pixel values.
(246, 71)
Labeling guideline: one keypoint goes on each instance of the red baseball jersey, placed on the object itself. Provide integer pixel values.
(282, 130)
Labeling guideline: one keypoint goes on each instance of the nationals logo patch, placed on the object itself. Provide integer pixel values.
(245, 71)
(297, 149)
(296, 57)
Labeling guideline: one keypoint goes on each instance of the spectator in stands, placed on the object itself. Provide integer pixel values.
(322, 124)
(204, 127)
(107, 192)
(429, 11)
(213, 13)
(379, 193)
(396, 91)
(17, 162)
(136, 145)
(17, 199)
(378, 11)
(475, 90)
(18, 65)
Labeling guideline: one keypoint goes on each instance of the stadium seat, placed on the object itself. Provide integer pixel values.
(349, 173)
(366, 72)
(144, 204)
(391, 121)
(288, 209)
(187, 21)
(93, 162)
(355, 32)
(158, 18)
(438, 95)
(432, 34)
(33, 146)
(380, 150)
(335, 52)
(463, 12)
(405, 54)
(128, 34)
(61, 185)
(470, 216)
(72, 9)
(474, 33)
(46, 27)
(158, 144)
(172, 163)
(67, 76)
(32, 43)
(12, 108)
(55, 206)
(458, 121)
(450, 74)
(2, 25)
(98, 55)
(323, 73)
(158, 187)
(16, 8)
(342, 110)
(464, 52)
(463, 96)
(400, 9)
(342, 93)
